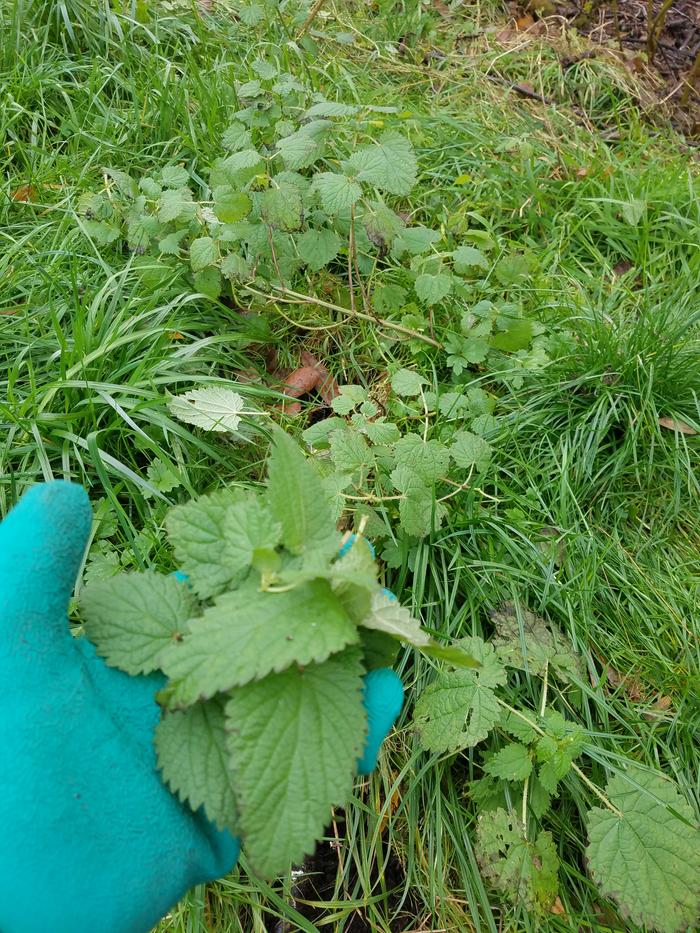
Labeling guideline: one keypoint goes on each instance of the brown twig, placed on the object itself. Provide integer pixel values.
(313, 13)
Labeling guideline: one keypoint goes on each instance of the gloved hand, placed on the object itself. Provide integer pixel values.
(90, 837)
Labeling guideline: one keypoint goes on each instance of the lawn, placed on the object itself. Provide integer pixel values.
(529, 300)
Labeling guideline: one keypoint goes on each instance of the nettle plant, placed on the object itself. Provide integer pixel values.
(643, 841)
(264, 650)
(309, 202)
(407, 453)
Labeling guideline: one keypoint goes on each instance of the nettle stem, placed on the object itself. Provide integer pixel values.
(575, 768)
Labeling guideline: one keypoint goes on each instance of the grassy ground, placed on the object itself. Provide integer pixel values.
(607, 207)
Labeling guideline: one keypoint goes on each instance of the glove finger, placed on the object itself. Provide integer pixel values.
(42, 542)
(383, 701)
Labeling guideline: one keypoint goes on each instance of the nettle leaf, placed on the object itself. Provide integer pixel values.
(124, 182)
(236, 137)
(388, 163)
(337, 193)
(248, 633)
(150, 187)
(427, 460)
(252, 14)
(170, 244)
(230, 206)
(350, 451)
(381, 431)
(281, 207)
(433, 288)
(203, 253)
(174, 176)
(318, 247)
(381, 224)
(528, 642)
(176, 204)
(512, 270)
(513, 762)
(234, 266)
(467, 257)
(239, 168)
(297, 499)
(517, 335)
(132, 618)
(647, 857)
(415, 241)
(294, 740)
(100, 231)
(329, 108)
(193, 759)
(388, 615)
(197, 531)
(213, 408)
(525, 872)
(469, 450)
(303, 148)
(407, 383)
(459, 709)
(208, 282)
(557, 750)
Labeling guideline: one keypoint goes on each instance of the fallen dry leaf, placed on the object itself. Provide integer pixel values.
(300, 381)
(327, 387)
(657, 709)
(557, 908)
(24, 193)
(632, 687)
(675, 424)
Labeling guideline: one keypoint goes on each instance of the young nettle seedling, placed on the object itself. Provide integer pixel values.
(264, 652)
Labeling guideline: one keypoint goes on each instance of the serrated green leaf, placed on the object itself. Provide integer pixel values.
(419, 512)
(208, 282)
(302, 148)
(388, 163)
(459, 709)
(350, 451)
(294, 740)
(518, 728)
(297, 499)
(337, 193)
(163, 476)
(197, 532)
(469, 450)
(174, 176)
(318, 247)
(150, 188)
(249, 633)
(407, 383)
(427, 460)
(647, 857)
(240, 167)
(516, 336)
(388, 615)
(193, 759)
(526, 641)
(265, 70)
(381, 431)
(252, 14)
(100, 231)
(176, 204)
(281, 207)
(132, 618)
(318, 434)
(415, 241)
(511, 763)
(329, 108)
(234, 266)
(170, 244)
(202, 253)
(236, 137)
(512, 270)
(214, 408)
(467, 257)
(433, 288)
(124, 182)
(525, 872)
(229, 205)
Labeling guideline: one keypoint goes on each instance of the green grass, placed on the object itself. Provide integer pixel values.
(87, 357)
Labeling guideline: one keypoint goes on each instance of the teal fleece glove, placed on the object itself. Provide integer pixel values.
(90, 838)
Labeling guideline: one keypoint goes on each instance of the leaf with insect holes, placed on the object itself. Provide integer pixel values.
(133, 617)
(388, 163)
(297, 499)
(294, 740)
(459, 709)
(388, 615)
(249, 633)
(407, 383)
(433, 288)
(193, 760)
(281, 207)
(198, 532)
(528, 642)
(214, 408)
(646, 857)
(526, 872)
(336, 192)
(513, 762)
(202, 253)
(318, 247)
